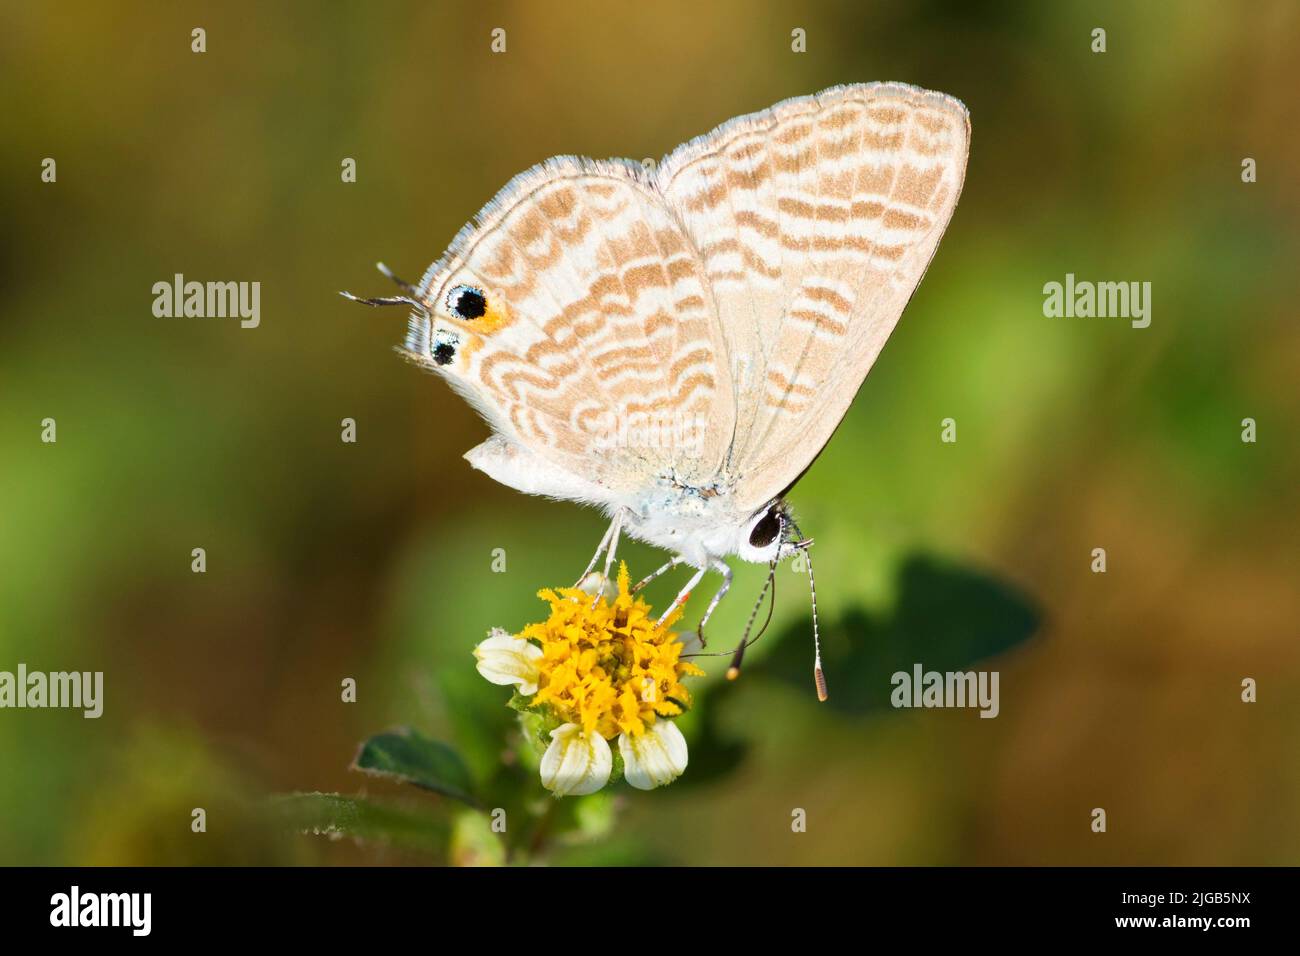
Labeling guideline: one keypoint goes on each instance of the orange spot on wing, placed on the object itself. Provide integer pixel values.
(493, 320)
(490, 322)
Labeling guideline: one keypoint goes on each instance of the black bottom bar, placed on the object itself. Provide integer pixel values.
(377, 905)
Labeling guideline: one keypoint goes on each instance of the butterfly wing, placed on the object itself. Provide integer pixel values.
(595, 351)
(815, 221)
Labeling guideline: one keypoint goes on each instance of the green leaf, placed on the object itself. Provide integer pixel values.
(519, 702)
(336, 816)
(411, 758)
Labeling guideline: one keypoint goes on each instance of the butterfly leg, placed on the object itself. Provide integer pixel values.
(682, 595)
(653, 575)
(600, 548)
(722, 568)
(615, 530)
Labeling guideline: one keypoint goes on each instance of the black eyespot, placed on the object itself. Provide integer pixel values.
(444, 346)
(467, 302)
(765, 532)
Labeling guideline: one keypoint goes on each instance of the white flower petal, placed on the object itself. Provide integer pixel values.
(655, 757)
(596, 584)
(575, 763)
(506, 659)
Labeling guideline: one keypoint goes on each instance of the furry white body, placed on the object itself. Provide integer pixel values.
(701, 528)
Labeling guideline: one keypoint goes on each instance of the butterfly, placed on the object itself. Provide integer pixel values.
(675, 343)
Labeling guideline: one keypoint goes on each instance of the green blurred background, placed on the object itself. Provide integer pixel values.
(373, 560)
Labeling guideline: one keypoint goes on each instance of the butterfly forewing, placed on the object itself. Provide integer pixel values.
(599, 349)
(815, 221)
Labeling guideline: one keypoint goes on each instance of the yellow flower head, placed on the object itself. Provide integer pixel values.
(608, 667)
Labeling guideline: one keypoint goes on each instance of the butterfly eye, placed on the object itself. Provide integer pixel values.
(466, 302)
(765, 532)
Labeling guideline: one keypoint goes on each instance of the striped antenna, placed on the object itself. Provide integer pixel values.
(818, 677)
